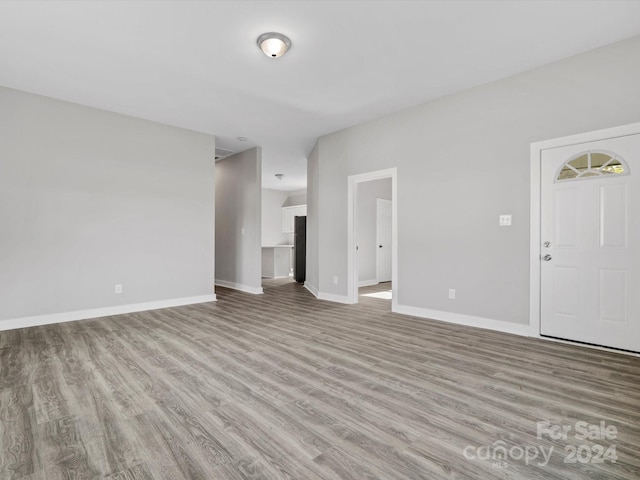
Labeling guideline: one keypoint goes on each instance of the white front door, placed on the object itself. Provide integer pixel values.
(590, 234)
(383, 239)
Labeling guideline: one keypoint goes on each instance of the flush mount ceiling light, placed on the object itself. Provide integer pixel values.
(273, 44)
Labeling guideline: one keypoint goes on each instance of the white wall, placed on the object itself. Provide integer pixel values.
(366, 227)
(90, 199)
(462, 160)
(238, 221)
(272, 203)
(312, 277)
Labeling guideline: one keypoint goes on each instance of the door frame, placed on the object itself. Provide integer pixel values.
(536, 214)
(352, 257)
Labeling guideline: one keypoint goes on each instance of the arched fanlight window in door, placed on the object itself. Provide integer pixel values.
(592, 164)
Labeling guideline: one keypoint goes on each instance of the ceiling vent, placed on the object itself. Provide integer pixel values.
(222, 153)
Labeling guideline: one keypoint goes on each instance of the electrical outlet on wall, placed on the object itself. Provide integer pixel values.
(452, 294)
(118, 288)
(504, 220)
(335, 279)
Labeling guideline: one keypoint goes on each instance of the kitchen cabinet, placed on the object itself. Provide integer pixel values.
(276, 261)
(289, 213)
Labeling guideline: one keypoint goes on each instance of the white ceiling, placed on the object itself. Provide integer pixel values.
(196, 64)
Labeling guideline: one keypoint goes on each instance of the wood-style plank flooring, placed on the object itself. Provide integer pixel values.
(283, 386)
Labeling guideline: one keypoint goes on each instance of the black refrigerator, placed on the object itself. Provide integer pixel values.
(299, 248)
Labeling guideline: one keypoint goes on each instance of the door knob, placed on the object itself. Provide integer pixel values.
(547, 257)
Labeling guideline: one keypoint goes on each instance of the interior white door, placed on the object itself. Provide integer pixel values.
(590, 242)
(383, 240)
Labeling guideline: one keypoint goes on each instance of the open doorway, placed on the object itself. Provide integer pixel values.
(372, 218)
(283, 237)
(373, 238)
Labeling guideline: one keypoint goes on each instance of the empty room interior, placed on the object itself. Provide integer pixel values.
(319, 240)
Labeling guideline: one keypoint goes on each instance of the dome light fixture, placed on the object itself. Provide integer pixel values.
(274, 44)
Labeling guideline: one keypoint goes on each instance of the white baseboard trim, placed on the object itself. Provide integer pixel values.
(240, 287)
(313, 290)
(468, 320)
(368, 283)
(332, 297)
(48, 319)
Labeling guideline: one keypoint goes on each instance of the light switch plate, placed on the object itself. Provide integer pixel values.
(505, 220)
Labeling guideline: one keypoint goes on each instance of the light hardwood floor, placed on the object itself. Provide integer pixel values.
(283, 386)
